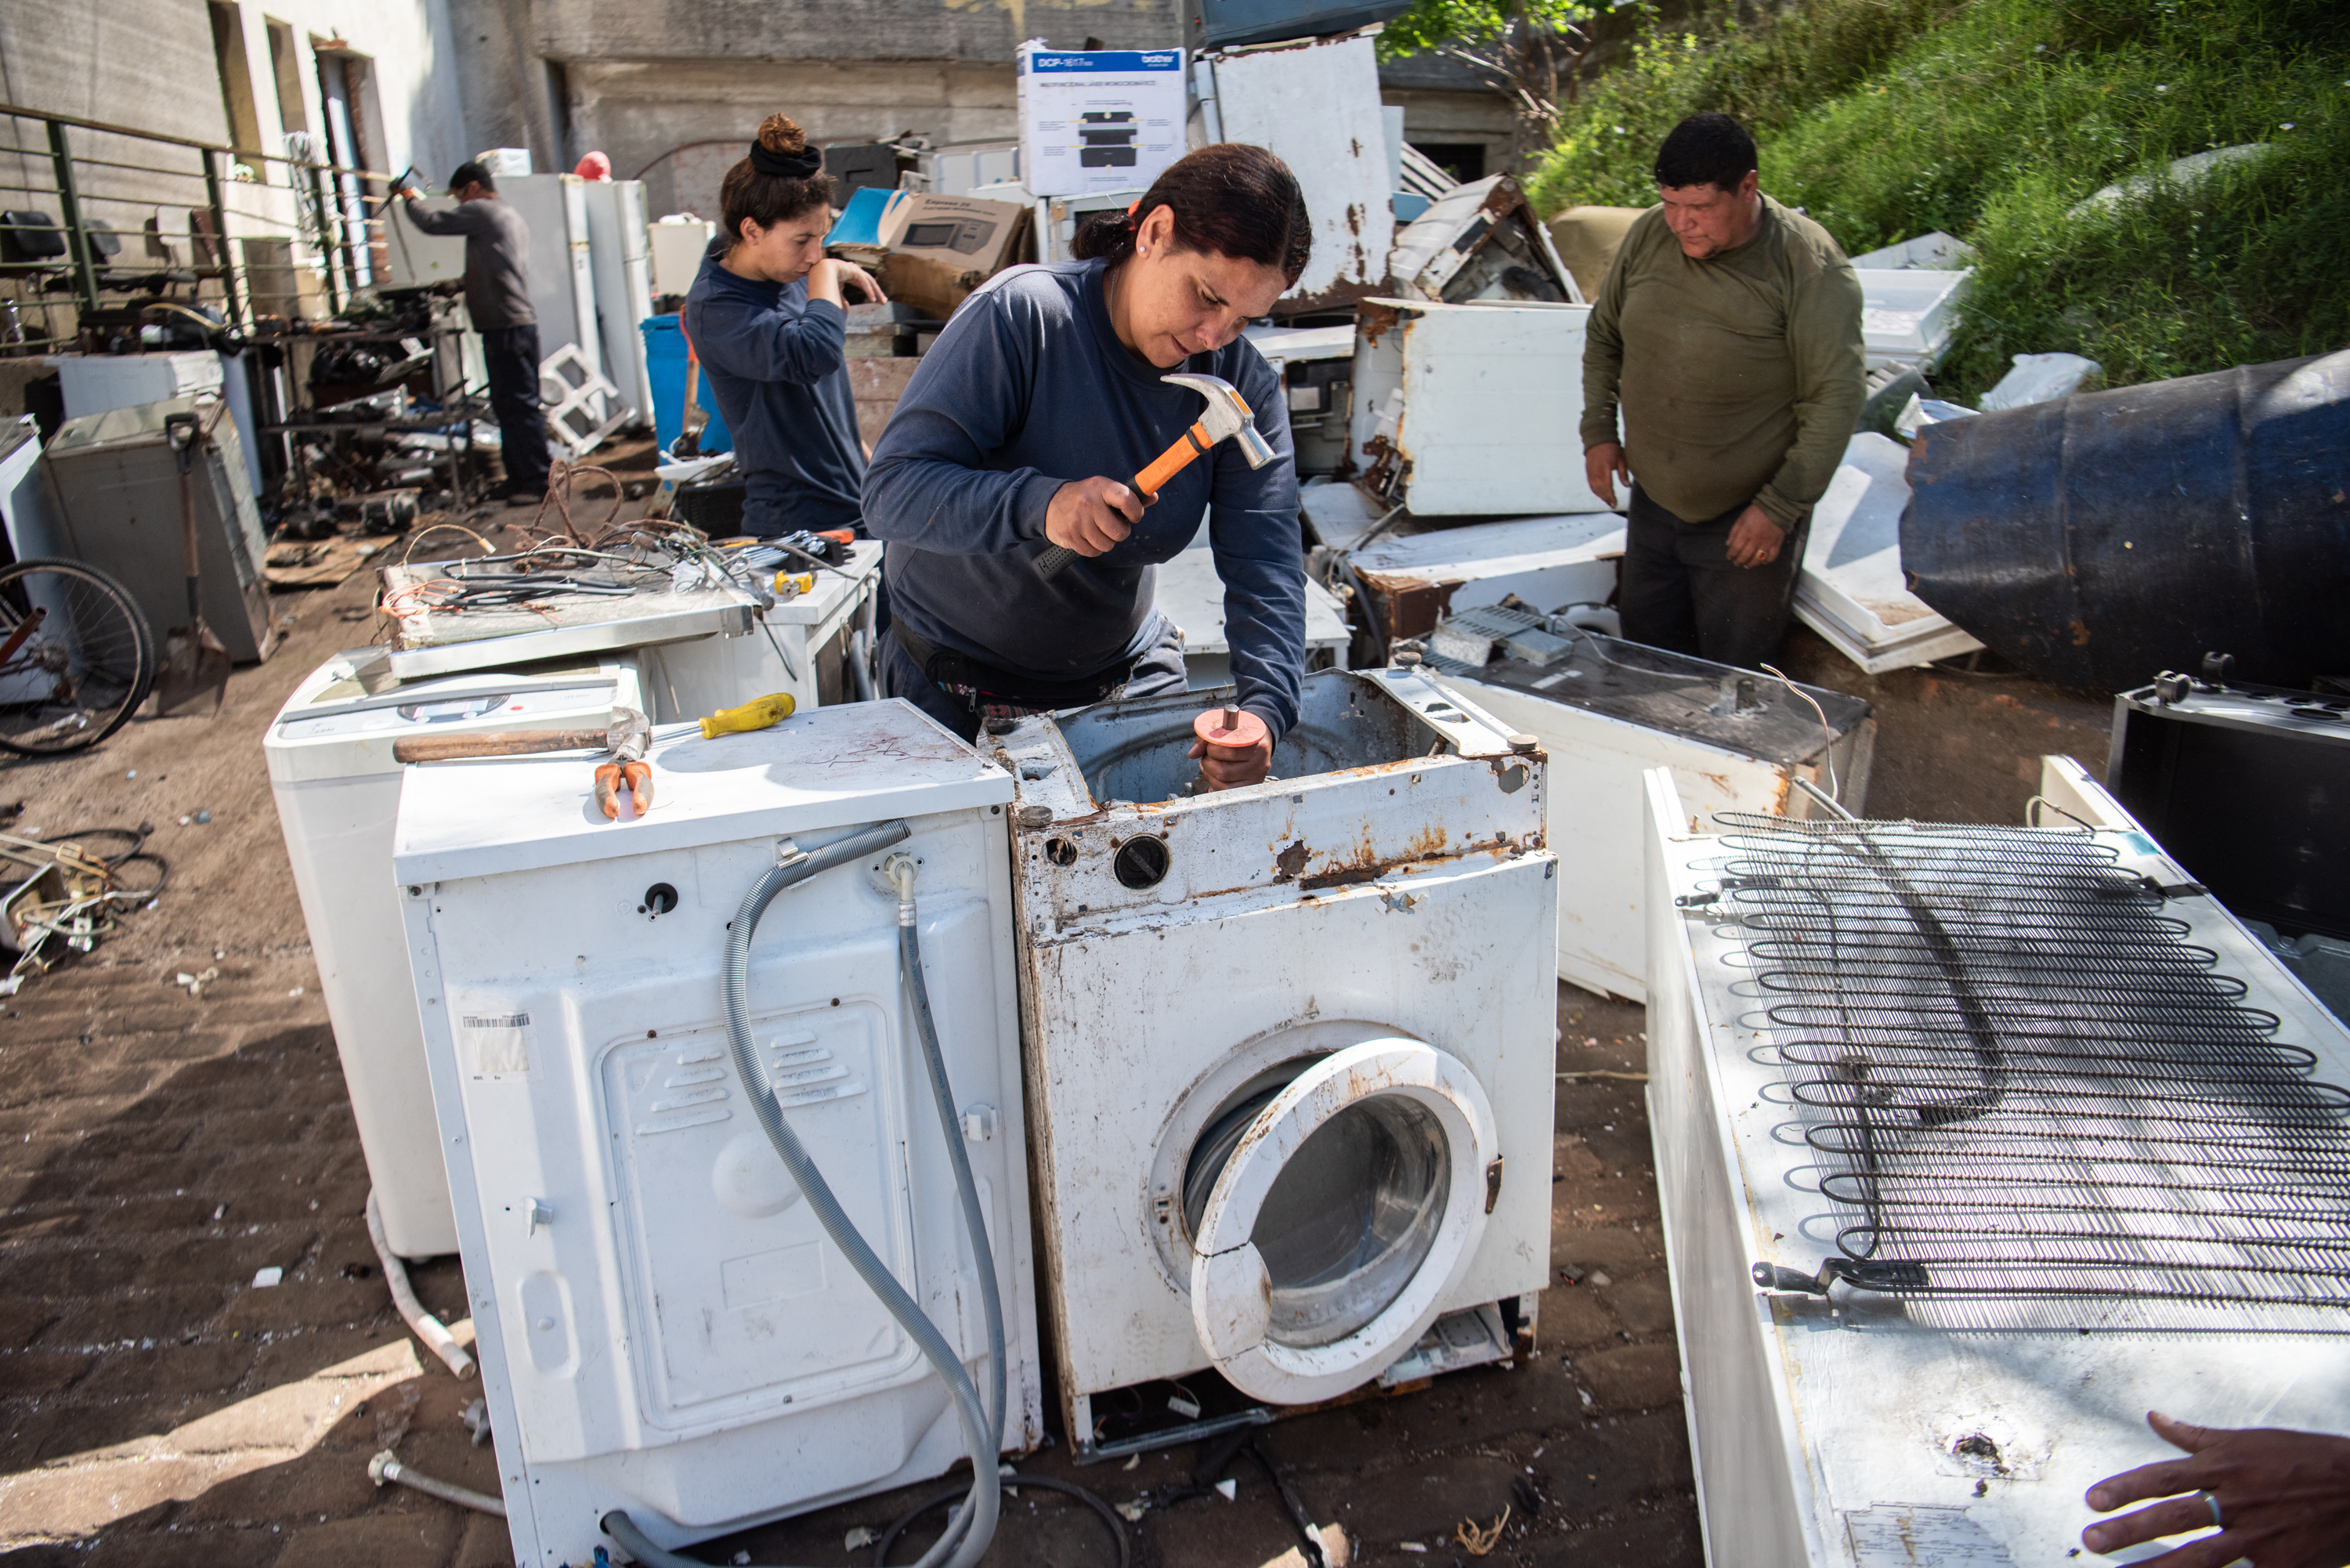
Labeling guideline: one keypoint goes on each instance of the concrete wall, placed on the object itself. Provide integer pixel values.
(151, 64)
(1443, 102)
(684, 123)
(643, 80)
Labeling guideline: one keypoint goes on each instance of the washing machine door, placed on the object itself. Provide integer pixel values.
(1342, 1219)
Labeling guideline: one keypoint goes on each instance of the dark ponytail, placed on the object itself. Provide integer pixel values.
(781, 179)
(1232, 199)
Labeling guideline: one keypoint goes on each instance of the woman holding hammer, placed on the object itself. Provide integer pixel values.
(1023, 433)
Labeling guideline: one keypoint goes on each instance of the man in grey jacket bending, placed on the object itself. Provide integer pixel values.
(497, 297)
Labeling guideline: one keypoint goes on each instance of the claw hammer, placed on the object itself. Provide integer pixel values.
(1227, 417)
(624, 738)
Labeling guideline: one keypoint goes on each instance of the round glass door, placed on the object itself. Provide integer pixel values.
(1329, 1218)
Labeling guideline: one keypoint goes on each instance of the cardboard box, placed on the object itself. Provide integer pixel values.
(942, 247)
(1100, 119)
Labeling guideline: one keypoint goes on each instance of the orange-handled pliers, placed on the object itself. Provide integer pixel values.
(638, 779)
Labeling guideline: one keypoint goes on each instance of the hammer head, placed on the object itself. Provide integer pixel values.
(1227, 416)
(628, 734)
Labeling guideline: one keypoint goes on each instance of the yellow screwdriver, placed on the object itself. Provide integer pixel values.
(755, 714)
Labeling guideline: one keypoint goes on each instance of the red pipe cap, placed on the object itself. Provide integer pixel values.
(1246, 729)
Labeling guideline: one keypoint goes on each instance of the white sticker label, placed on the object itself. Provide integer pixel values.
(498, 1043)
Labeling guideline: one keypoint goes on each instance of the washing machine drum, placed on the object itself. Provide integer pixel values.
(1344, 1211)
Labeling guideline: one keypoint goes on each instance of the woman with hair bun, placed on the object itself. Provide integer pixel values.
(768, 318)
(1023, 428)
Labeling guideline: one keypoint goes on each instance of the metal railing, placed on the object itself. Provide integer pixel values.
(301, 243)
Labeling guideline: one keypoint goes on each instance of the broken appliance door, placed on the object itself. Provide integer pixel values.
(1852, 590)
(1608, 711)
(1462, 409)
(1410, 583)
(1481, 241)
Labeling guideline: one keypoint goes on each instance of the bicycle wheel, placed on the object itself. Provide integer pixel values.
(76, 657)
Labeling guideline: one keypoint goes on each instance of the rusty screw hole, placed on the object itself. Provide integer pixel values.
(1060, 852)
(1141, 862)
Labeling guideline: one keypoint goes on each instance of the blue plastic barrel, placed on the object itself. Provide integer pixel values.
(2108, 536)
(665, 367)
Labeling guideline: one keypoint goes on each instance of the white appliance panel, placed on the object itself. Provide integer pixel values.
(338, 794)
(663, 1327)
(1864, 1430)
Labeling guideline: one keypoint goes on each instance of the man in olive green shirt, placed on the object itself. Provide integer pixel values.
(1729, 332)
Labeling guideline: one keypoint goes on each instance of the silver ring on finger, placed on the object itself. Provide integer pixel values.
(2212, 1501)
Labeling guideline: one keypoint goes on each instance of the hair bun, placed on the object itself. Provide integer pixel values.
(779, 133)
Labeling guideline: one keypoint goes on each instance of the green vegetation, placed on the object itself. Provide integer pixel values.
(1994, 120)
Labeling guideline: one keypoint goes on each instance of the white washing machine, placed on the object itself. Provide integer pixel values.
(338, 791)
(664, 1327)
(800, 645)
(1290, 1050)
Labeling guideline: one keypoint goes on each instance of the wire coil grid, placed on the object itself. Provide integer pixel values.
(2022, 1079)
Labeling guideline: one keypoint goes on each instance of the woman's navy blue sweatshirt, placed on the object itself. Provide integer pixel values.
(776, 364)
(1029, 387)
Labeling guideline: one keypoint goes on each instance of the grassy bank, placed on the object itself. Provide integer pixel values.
(1995, 120)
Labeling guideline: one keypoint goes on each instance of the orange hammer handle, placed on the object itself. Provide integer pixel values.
(1171, 462)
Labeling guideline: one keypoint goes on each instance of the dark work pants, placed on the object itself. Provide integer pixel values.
(1158, 669)
(1680, 592)
(511, 354)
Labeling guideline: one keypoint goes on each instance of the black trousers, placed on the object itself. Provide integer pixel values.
(511, 354)
(1160, 668)
(1680, 592)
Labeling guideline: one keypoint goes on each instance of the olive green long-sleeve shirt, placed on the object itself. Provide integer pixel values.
(1740, 377)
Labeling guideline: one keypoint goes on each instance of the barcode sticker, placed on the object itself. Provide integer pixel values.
(498, 1043)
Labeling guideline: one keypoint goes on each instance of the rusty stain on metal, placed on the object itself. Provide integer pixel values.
(1372, 321)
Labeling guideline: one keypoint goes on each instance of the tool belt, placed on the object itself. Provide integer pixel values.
(983, 688)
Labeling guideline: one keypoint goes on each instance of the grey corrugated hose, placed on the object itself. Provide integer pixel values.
(967, 1538)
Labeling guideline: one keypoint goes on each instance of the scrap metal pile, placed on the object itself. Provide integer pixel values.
(71, 891)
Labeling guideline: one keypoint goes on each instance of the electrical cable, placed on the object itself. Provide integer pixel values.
(1828, 735)
(967, 1537)
(428, 1328)
(1108, 1515)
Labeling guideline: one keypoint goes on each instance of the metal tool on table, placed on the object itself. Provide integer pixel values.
(631, 732)
(1227, 417)
(194, 661)
(756, 714)
(625, 739)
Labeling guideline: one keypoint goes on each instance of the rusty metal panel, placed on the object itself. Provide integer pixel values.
(1317, 102)
(1472, 409)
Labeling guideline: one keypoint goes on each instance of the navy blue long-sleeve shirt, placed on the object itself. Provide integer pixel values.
(776, 364)
(1029, 387)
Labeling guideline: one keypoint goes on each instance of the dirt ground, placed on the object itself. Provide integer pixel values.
(160, 1143)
